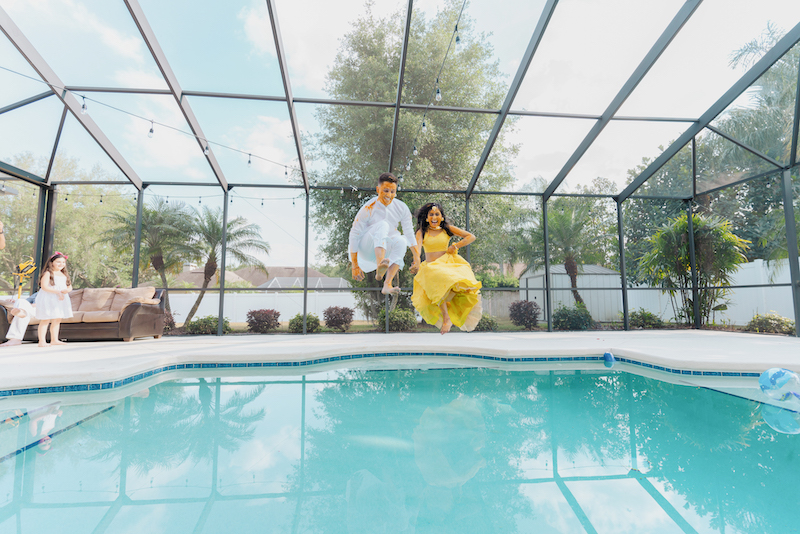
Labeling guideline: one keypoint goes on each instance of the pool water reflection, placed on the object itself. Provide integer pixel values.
(450, 450)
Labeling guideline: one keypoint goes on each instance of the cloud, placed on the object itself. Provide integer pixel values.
(257, 29)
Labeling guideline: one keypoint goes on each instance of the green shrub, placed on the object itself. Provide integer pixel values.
(262, 321)
(489, 280)
(296, 324)
(338, 318)
(524, 313)
(577, 318)
(771, 322)
(642, 318)
(486, 324)
(400, 320)
(208, 325)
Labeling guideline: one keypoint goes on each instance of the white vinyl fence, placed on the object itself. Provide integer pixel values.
(607, 305)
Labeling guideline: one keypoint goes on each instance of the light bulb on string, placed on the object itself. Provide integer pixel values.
(150, 133)
(438, 91)
(415, 151)
(206, 151)
(199, 200)
(424, 127)
(408, 166)
(66, 197)
(286, 172)
(167, 200)
(262, 202)
(101, 199)
(458, 39)
(249, 160)
(84, 109)
(231, 199)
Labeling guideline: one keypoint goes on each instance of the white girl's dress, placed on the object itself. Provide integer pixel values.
(48, 306)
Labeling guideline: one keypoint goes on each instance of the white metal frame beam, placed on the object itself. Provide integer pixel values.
(160, 58)
(18, 39)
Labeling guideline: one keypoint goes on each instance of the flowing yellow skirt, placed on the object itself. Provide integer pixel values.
(448, 279)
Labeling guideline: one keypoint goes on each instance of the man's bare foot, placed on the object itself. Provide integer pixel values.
(11, 343)
(58, 342)
(17, 312)
(44, 344)
(381, 270)
(389, 290)
(446, 325)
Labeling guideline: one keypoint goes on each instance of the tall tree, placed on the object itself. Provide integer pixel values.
(354, 141)
(242, 239)
(165, 228)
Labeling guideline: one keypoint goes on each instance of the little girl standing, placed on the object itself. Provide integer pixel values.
(52, 300)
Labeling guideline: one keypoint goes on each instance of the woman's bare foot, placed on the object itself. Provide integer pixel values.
(58, 342)
(446, 325)
(44, 344)
(11, 343)
(17, 312)
(381, 270)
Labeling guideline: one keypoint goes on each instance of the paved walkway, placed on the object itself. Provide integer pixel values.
(29, 366)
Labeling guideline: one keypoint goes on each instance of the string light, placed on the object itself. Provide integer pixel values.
(150, 133)
(66, 197)
(286, 172)
(424, 127)
(199, 201)
(408, 166)
(101, 199)
(167, 200)
(262, 202)
(458, 38)
(205, 151)
(83, 107)
(415, 151)
(249, 160)
(438, 91)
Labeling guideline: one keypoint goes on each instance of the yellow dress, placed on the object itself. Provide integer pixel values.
(449, 279)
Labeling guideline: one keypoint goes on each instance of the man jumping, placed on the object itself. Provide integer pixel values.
(375, 243)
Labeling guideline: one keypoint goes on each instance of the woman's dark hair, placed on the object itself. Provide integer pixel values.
(49, 263)
(422, 218)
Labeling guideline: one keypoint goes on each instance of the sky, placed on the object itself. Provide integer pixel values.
(589, 50)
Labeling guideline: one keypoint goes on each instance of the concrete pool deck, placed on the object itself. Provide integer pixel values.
(27, 367)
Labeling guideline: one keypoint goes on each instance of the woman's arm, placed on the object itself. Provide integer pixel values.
(466, 239)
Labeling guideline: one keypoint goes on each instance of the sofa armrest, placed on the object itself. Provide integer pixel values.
(4, 322)
(140, 320)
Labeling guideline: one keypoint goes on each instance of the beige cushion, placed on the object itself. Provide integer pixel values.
(76, 297)
(106, 316)
(97, 299)
(77, 317)
(123, 297)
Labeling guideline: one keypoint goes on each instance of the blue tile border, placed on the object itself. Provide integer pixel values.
(176, 367)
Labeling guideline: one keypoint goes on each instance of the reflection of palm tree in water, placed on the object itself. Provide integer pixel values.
(217, 423)
(170, 426)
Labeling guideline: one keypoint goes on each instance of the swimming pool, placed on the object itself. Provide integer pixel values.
(438, 450)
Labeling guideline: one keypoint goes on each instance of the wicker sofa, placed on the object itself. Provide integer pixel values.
(105, 313)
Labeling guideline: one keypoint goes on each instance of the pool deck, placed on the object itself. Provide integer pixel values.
(28, 366)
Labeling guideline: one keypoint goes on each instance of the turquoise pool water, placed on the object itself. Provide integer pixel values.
(408, 451)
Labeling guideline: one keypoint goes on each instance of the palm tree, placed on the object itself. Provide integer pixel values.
(572, 241)
(164, 242)
(242, 238)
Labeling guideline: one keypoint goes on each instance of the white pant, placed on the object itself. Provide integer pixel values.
(378, 236)
(20, 324)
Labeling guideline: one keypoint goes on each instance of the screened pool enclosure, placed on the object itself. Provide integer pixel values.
(184, 145)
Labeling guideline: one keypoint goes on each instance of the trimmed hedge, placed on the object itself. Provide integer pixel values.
(771, 323)
(263, 321)
(400, 320)
(338, 318)
(208, 325)
(486, 324)
(296, 324)
(577, 318)
(524, 313)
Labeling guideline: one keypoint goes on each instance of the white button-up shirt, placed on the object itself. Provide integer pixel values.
(374, 212)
